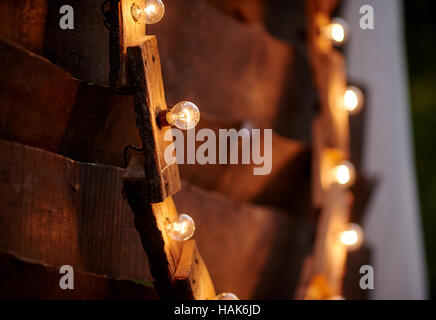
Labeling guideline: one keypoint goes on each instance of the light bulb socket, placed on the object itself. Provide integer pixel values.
(162, 118)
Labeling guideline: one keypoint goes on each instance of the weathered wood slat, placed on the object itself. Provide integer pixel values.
(23, 22)
(94, 124)
(125, 32)
(164, 253)
(163, 178)
(23, 279)
(253, 251)
(329, 73)
(263, 87)
(64, 206)
(282, 187)
(329, 254)
(84, 50)
(325, 268)
(36, 98)
(58, 211)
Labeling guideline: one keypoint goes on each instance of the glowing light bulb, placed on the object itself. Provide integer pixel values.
(336, 297)
(353, 100)
(336, 31)
(181, 230)
(226, 296)
(352, 237)
(148, 11)
(184, 115)
(344, 174)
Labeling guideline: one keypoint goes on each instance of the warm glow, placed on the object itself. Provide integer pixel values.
(343, 174)
(184, 115)
(352, 237)
(148, 11)
(353, 99)
(181, 230)
(349, 237)
(226, 296)
(336, 31)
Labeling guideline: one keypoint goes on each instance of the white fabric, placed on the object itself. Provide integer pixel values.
(392, 223)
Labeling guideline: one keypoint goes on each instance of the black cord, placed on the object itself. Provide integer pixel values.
(106, 14)
(126, 149)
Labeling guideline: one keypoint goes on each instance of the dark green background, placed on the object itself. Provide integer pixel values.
(421, 48)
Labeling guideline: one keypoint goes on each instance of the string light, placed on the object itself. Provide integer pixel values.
(148, 11)
(181, 230)
(353, 99)
(336, 297)
(226, 296)
(344, 174)
(185, 115)
(352, 237)
(336, 31)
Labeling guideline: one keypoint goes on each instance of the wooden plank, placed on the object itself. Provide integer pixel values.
(84, 50)
(23, 22)
(58, 211)
(329, 76)
(22, 279)
(125, 32)
(263, 89)
(242, 10)
(146, 79)
(164, 253)
(282, 187)
(329, 254)
(253, 251)
(35, 107)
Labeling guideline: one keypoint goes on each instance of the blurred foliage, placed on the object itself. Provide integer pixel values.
(421, 46)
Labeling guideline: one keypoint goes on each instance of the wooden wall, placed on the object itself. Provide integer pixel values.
(63, 131)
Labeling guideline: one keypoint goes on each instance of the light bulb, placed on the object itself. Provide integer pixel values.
(336, 297)
(181, 230)
(336, 31)
(343, 174)
(184, 115)
(353, 99)
(226, 296)
(148, 11)
(352, 237)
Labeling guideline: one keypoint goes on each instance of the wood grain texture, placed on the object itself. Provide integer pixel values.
(23, 22)
(163, 178)
(253, 251)
(125, 32)
(84, 50)
(36, 106)
(24, 279)
(58, 211)
(282, 187)
(164, 253)
(245, 72)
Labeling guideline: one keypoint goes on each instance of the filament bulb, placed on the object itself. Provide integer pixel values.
(344, 174)
(226, 296)
(184, 115)
(336, 31)
(353, 99)
(352, 237)
(148, 11)
(181, 230)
